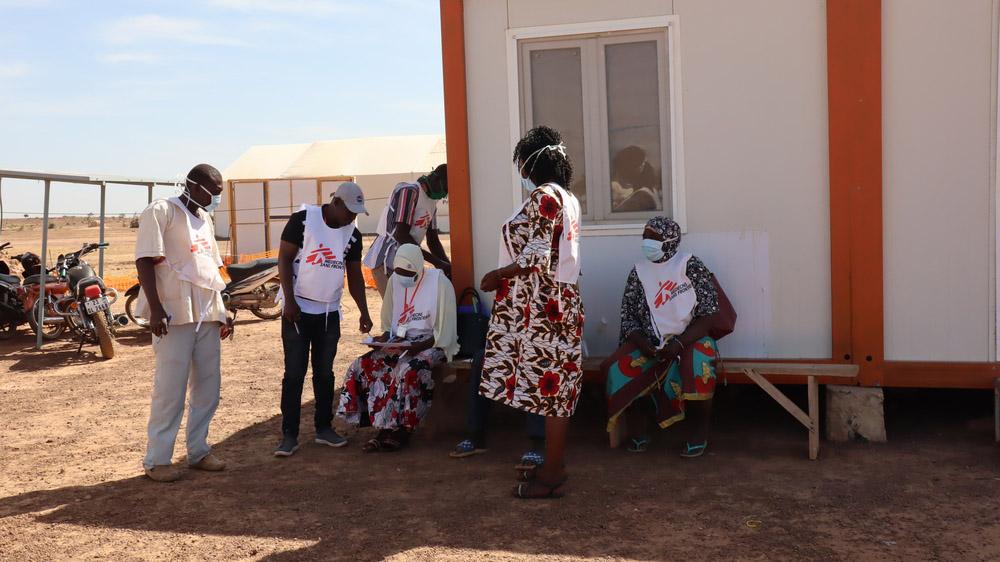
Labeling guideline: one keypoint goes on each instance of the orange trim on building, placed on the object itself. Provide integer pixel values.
(854, 77)
(456, 120)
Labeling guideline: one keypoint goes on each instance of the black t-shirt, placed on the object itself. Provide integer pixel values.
(295, 229)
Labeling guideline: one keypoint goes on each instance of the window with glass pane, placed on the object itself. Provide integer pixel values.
(639, 177)
(557, 101)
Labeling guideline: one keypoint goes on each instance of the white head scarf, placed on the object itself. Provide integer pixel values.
(409, 258)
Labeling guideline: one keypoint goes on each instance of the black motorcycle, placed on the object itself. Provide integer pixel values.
(86, 306)
(11, 302)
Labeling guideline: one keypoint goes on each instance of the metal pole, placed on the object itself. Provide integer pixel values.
(44, 272)
(149, 194)
(100, 262)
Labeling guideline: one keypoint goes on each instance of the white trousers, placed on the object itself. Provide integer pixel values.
(184, 359)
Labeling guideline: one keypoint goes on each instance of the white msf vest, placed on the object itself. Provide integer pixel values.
(319, 267)
(568, 268)
(423, 218)
(415, 309)
(199, 266)
(670, 294)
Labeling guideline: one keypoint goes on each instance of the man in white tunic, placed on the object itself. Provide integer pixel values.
(178, 264)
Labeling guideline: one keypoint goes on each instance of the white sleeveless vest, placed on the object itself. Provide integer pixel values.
(319, 267)
(670, 294)
(568, 268)
(415, 309)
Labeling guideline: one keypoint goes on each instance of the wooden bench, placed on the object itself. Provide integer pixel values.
(753, 370)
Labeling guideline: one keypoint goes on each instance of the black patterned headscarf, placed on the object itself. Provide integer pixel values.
(671, 233)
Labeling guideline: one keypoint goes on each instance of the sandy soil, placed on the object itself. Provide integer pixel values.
(73, 434)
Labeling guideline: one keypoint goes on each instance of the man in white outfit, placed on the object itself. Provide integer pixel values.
(178, 263)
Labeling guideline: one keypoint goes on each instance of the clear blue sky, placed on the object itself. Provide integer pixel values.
(151, 87)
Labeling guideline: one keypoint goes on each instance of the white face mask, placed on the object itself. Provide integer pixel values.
(408, 282)
(653, 249)
(526, 183)
(213, 205)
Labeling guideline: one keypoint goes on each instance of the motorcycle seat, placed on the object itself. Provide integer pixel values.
(36, 279)
(240, 271)
(10, 279)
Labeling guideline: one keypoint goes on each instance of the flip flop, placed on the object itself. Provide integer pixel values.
(639, 445)
(372, 446)
(693, 451)
(530, 460)
(465, 449)
(538, 490)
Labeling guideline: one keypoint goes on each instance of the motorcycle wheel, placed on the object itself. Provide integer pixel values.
(49, 331)
(271, 309)
(8, 331)
(104, 338)
(130, 312)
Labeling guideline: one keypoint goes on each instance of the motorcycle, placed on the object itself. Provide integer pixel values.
(253, 286)
(11, 307)
(86, 303)
(19, 299)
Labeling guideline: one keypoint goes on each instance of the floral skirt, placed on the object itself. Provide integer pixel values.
(388, 392)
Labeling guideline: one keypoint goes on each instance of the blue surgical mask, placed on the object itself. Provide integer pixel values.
(408, 282)
(527, 185)
(653, 249)
(213, 205)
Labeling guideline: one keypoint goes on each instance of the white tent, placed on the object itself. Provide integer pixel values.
(267, 183)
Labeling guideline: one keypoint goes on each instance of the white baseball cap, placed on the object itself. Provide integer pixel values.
(352, 196)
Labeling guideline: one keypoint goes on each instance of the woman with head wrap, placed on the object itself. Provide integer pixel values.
(666, 315)
(390, 387)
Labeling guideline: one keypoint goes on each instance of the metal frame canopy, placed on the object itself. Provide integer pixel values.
(98, 180)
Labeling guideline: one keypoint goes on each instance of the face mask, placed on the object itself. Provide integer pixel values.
(527, 185)
(213, 205)
(435, 189)
(408, 282)
(653, 250)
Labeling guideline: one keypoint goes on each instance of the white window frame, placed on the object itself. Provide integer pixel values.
(669, 27)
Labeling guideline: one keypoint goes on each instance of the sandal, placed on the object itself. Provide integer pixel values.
(530, 460)
(372, 446)
(538, 490)
(693, 451)
(638, 445)
(465, 449)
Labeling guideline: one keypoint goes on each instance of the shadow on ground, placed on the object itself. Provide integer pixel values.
(755, 495)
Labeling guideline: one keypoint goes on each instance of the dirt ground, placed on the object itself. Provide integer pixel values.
(73, 435)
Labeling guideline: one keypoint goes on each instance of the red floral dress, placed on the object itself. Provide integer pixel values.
(395, 392)
(533, 348)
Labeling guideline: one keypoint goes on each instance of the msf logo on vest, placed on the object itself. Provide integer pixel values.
(411, 315)
(200, 246)
(668, 291)
(324, 257)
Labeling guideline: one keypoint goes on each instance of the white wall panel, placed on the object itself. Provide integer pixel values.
(938, 83)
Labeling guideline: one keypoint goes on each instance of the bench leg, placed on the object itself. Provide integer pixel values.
(814, 417)
(996, 410)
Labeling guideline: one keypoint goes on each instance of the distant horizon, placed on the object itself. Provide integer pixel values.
(156, 88)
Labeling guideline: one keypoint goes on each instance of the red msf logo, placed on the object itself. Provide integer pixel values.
(320, 255)
(574, 230)
(663, 295)
(408, 309)
(200, 245)
(423, 222)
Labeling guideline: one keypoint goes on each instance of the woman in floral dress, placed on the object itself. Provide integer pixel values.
(390, 388)
(533, 349)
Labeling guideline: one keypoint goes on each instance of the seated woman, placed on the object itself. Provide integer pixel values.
(666, 317)
(390, 388)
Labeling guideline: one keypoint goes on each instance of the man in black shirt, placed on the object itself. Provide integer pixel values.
(318, 246)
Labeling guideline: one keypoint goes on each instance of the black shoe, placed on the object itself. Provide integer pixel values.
(289, 444)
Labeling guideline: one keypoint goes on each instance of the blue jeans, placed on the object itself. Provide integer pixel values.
(480, 407)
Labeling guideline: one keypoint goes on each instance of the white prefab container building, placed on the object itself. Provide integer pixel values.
(268, 183)
(833, 162)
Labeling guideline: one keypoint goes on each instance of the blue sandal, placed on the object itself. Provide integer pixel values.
(465, 449)
(638, 445)
(692, 451)
(530, 461)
